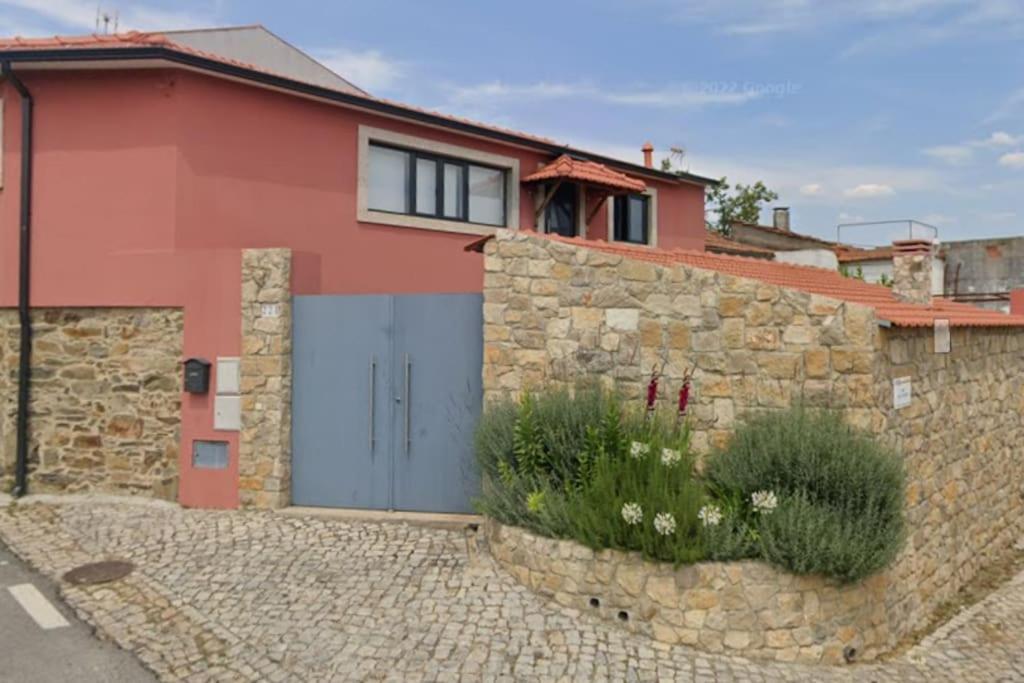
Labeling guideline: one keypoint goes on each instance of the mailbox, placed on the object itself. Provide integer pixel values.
(197, 375)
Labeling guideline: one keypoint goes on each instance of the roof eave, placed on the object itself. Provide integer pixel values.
(308, 89)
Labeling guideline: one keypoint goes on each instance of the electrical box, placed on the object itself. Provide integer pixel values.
(210, 455)
(227, 376)
(197, 375)
(227, 413)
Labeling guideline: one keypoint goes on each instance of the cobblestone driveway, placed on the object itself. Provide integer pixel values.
(260, 596)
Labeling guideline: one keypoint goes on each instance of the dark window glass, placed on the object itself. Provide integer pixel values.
(632, 218)
(561, 211)
(410, 182)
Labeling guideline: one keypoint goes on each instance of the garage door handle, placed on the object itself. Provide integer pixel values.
(373, 388)
(408, 371)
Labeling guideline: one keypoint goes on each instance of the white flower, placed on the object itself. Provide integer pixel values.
(664, 524)
(670, 457)
(710, 515)
(764, 501)
(632, 513)
(638, 450)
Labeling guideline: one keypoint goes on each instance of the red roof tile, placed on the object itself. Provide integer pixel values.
(717, 242)
(816, 281)
(589, 172)
(853, 254)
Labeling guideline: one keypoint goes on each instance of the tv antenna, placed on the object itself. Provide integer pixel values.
(106, 19)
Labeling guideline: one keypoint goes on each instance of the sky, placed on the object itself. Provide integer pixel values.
(852, 110)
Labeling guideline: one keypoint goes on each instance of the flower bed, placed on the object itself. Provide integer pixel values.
(799, 490)
(747, 607)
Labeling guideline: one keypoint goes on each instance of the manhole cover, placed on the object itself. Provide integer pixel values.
(99, 572)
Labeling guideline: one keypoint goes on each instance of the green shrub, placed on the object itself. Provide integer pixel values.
(559, 462)
(840, 494)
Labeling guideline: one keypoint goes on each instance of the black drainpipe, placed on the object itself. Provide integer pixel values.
(24, 250)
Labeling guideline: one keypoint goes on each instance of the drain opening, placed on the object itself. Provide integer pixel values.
(623, 615)
(594, 602)
(99, 572)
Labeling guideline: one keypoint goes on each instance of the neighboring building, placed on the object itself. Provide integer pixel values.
(778, 236)
(875, 265)
(717, 243)
(160, 161)
(985, 271)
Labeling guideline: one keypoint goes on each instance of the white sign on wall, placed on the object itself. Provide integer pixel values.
(270, 310)
(943, 342)
(901, 393)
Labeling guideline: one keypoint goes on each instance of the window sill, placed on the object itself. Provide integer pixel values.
(398, 220)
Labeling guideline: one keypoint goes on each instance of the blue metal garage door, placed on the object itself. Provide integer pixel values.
(386, 394)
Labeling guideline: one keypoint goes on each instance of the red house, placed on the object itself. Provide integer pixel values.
(156, 158)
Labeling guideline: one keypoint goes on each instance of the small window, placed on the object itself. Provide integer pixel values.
(632, 218)
(424, 184)
(560, 215)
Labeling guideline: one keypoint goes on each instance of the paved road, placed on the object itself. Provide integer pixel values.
(32, 654)
(248, 596)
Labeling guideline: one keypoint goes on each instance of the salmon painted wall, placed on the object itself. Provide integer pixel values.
(148, 183)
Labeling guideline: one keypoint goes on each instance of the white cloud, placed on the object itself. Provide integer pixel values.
(369, 70)
(845, 217)
(998, 215)
(963, 152)
(951, 154)
(868, 190)
(811, 189)
(1012, 160)
(80, 15)
(682, 96)
(1001, 139)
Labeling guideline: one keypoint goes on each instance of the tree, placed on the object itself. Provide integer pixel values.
(742, 203)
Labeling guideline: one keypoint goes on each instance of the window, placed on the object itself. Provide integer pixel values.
(632, 218)
(560, 214)
(425, 184)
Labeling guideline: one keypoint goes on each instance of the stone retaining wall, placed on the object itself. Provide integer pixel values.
(962, 438)
(747, 608)
(554, 312)
(105, 400)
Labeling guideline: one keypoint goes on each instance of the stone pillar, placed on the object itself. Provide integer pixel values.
(912, 271)
(264, 448)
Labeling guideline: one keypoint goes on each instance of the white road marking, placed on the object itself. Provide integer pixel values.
(37, 606)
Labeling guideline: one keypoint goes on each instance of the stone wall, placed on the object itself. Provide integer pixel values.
(747, 608)
(962, 438)
(264, 450)
(554, 312)
(105, 400)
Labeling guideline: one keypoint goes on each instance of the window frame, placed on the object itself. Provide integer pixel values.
(440, 154)
(621, 221)
(651, 228)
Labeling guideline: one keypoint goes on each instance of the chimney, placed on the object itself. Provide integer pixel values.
(912, 270)
(1017, 302)
(648, 150)
(780, 218)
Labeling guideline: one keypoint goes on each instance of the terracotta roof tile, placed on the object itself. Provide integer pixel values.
(853, 254)
(589, 172)
(717, 242)
(816, 281)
